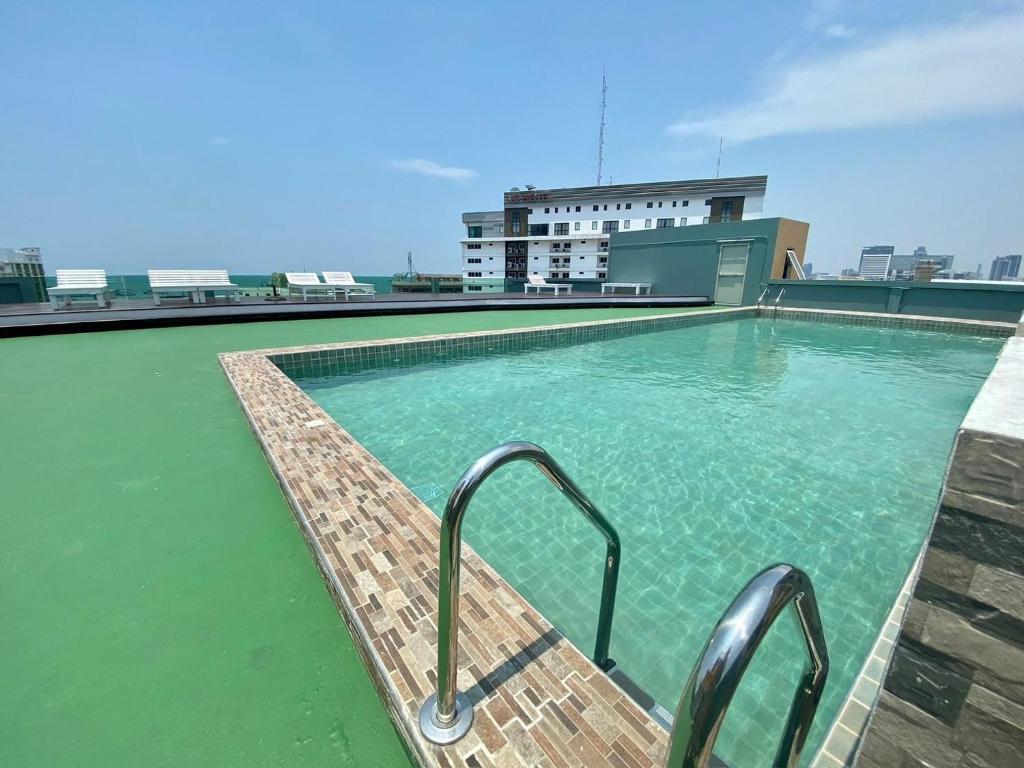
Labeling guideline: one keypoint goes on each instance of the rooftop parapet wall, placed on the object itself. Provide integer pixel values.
(973, 301)
(954, 693)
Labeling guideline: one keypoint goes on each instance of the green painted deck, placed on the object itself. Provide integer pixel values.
(159, 604)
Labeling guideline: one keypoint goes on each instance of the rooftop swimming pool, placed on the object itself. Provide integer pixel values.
(716, 450)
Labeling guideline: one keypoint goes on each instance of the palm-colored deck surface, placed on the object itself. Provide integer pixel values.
(159, 604)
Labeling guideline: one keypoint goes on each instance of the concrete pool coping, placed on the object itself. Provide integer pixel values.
(538, 699)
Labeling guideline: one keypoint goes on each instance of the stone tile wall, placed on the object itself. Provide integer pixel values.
(953, 696)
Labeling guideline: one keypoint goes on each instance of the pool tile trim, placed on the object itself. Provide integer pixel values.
(841, 744)
(883, 320)
(556, 708)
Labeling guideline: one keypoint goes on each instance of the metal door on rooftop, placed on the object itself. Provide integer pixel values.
(732, 269)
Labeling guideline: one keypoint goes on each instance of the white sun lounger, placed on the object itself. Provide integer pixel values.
(538, 282)
(344, 282)
(195, 282)
(79, 282)
(635, 287)
(307, 283)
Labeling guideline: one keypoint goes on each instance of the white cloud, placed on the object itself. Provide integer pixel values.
(840, 31)
(220, 141)
(972, 68)
(430, 168)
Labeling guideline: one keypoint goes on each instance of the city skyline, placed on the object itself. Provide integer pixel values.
(157, 137)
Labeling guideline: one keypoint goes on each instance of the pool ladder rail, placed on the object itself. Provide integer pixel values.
(447, 715)
(778, 302)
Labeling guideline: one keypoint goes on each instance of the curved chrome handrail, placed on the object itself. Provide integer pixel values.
(732, 644)
(446, 716)
(760, 299)
(778, 299)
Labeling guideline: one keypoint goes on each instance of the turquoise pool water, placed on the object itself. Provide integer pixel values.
(716, 450)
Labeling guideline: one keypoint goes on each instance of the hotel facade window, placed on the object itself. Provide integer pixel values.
(726, 211)
(519, 238)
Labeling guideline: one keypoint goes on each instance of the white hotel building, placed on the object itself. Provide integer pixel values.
(563, 234)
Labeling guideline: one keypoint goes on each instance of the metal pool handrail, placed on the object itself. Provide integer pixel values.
(760, 299)
(732, 644)
(447, 715)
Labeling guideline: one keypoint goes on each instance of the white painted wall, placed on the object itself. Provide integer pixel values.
(686, 211)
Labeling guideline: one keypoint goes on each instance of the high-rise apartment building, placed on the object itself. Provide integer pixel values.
(1005, 267)
(563, 234)
(875, 262)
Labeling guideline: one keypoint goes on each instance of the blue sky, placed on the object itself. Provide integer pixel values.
(338, 135)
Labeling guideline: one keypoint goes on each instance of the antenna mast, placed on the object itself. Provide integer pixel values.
(600, 134)
(718, 165)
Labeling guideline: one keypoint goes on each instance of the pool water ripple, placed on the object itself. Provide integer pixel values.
(716, 450)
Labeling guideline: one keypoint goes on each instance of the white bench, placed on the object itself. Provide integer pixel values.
(637, 287)
(344, 282)
(538, 282)
(307, 283)
(79, 282)
(195, 282)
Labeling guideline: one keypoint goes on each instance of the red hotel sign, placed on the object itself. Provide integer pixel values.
(526, 197)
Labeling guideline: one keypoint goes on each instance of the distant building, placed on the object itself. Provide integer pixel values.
(22, 275)
(925, 270)
(875, 261)
(564, 234)
(808, 270)
(849, 273)
(1005, 267)
(903, 265)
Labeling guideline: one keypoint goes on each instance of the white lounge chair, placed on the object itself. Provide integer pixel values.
(343, 281)
(538, 282)
(195, 282)
(79, 282)
(307, 283)
(635, 287)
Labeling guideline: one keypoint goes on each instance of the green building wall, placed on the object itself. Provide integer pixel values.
(684, 260)
(1002, 302)
(22, 290)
